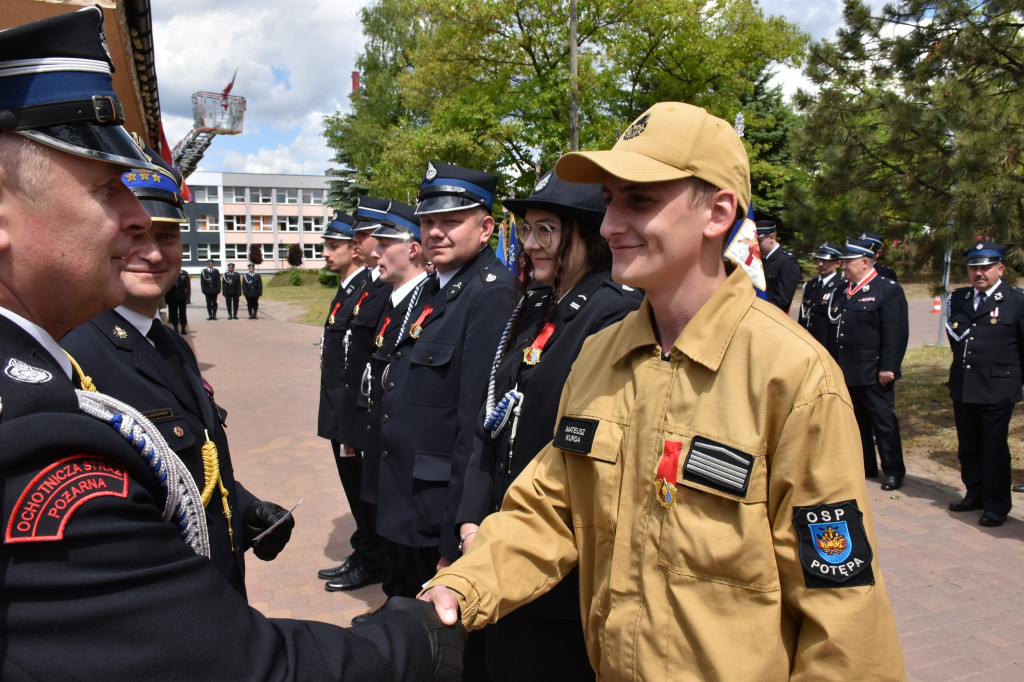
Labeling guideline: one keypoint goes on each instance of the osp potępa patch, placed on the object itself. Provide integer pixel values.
(834, 549)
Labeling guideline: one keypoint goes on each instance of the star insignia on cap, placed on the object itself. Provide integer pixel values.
(131, 177)
(431, 172)
(120, 333)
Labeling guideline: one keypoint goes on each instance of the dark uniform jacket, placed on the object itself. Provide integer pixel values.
(332, 355)
(435, 389)
(872, 331)
(181, 292)
(814, 304)
(232, 284)
(252, 285)
(102, 587)
(123, 364)
(362, 328)
(987, 361)
(885, 271)
(209, 280)
(782, 275)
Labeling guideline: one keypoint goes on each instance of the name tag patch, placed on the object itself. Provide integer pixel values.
(47, 503)
(834, 549)
(575, 434)
(718, 466)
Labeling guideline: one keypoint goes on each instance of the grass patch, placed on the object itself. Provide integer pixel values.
(311, 296)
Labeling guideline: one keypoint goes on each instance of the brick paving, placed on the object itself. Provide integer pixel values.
(957, 588)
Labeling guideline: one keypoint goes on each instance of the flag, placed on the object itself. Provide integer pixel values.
(512, 261)
(227, 91)
(501, 252)
(741, 249)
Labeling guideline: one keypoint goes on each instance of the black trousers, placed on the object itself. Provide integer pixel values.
(875, 408)
(368, 547)
(211, 304)
(231, 303)
(253, 304)
(177, 315)
(982, 432)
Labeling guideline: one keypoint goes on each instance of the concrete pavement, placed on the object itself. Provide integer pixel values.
(957, 589)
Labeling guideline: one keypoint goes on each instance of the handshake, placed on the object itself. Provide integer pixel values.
(446, 641)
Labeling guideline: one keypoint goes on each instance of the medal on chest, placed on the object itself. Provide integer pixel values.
(665, 479)
(417, 326)
(379, 341)
(531, 355)
(334, 311)
(355, 311)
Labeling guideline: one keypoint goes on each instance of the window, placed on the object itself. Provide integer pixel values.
(185, 227)
(234, 223)
(204, 193)
(234, 195)
(203, 252)
(186, 252)
(310, 251)
(313, 196)
(268, 251)
(236, 252)
(282, 251)
(261, 223)
(261, 195)
(287, 196)
(206, 223)
(288, 223)
(313, 223)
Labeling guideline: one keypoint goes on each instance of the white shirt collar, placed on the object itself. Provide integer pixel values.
(825, 280)
(374, 274)
(43, 337)
(348, 280)
(991, 289)
(401, 292)
(771, 252)
(137, 320)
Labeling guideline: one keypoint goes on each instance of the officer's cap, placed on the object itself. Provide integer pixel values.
(876, 240)
(765, 228)
(340, 227)
(583, 202)
(829, 251)
(400, 222)
(231, 266)
(159, 191)
(985, 253)
(369, 213)
(857, 248)
(252, 265)
(56, 89)
(452, 188)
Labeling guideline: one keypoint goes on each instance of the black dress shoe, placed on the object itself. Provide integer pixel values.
(892, 483)
(1019, 488)
(337, 571)
(358, 576)
(363, 617)
(992, 519)
(965, 505)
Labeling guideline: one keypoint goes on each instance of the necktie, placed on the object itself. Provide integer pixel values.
(979, 298)
(161, 339)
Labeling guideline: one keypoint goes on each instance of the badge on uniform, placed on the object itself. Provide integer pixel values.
(120, 333)
(834, 549)
(665, 478)
(417, 326)
(718, 466)
(998, 296)
(26, 373)
(490, 277)
(575, 434)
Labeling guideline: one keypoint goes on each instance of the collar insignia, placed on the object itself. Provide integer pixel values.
(998, 296)
(491, 277)
(25, 373)
(120, 333)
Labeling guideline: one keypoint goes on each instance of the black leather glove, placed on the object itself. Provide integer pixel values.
(260, 516)
(446, 641)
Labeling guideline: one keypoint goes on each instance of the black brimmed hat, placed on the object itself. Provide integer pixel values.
(452, 188)
(159, 191)
(369, 212)
(858, 248)
(765, 227)
(876, 240)
(583, 202)
(56, 89)
(340, 227)
(829, 251)
(985, 253)
(400, 222)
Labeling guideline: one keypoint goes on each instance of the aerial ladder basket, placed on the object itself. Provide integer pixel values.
(213, 113)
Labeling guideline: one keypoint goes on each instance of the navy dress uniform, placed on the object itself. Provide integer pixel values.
(252, 289)
(209, 284)
(817, 296)
(231, 287)
(985, 327)
(876, 241)
(781, 269)
(177, 300)
(96, 513)
(871, 335)
(436, 382)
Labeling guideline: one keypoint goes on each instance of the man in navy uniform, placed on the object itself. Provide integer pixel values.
(231, 286)
(252, 289)
(817, 293)
(876, 240)
(177, 300)
(97, 513)
(209, 284)
(781, 268)
(438, 374)
(128, 354)
(985, 326)
(869, 343)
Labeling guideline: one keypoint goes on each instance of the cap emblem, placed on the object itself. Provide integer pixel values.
(542, 183)
(638, 126)
(431, 172)
(979, 247)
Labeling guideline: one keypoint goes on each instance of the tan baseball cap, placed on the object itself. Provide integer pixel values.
(669, 141)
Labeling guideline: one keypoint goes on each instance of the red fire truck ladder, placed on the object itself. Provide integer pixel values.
(213, 113)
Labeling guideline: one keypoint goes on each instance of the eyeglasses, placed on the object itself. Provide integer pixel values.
(541, 233)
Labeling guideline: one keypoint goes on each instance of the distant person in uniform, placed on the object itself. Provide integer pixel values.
(177, 300)
(870, 339)
(231, 287)
(703, 475)
(817, 293)
(209, 284)
(128, 354)
(569, 296)
(252, 289)
(985, 327)
(781, 268)
(106, 555)
(877, 241)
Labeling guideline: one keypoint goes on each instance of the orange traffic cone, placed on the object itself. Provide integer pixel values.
(937, 307)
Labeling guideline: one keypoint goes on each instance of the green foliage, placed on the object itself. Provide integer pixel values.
(295, 255)
(295, 278)
(328, 278)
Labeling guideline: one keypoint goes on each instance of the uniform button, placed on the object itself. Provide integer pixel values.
(367, 428)
(398, 354)
(430, 359)
(391, 385)
(346, 387)
(383, 454)
(967, 367)
(384, 419)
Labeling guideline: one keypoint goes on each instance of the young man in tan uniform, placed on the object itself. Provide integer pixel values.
(705, 473)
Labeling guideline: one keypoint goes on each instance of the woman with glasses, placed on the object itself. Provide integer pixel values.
(566, 295)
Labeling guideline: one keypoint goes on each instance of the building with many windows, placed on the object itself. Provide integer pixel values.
(231, 211)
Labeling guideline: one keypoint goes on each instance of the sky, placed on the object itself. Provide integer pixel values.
(295, 61)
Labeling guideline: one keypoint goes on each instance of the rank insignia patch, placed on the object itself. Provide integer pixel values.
(48, 501)
(718, 466)
(26, 373)
(834, 549)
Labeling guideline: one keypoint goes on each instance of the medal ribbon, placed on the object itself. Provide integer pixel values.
(851, 290)
(361, 299)
(418, 324)
(380, 335)
(334, 311)
(539, 342)
(669, 463)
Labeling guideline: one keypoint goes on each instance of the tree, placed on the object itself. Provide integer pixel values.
(255, 254)
(295, 255)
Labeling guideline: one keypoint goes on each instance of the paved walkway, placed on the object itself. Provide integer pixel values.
(957, 588)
